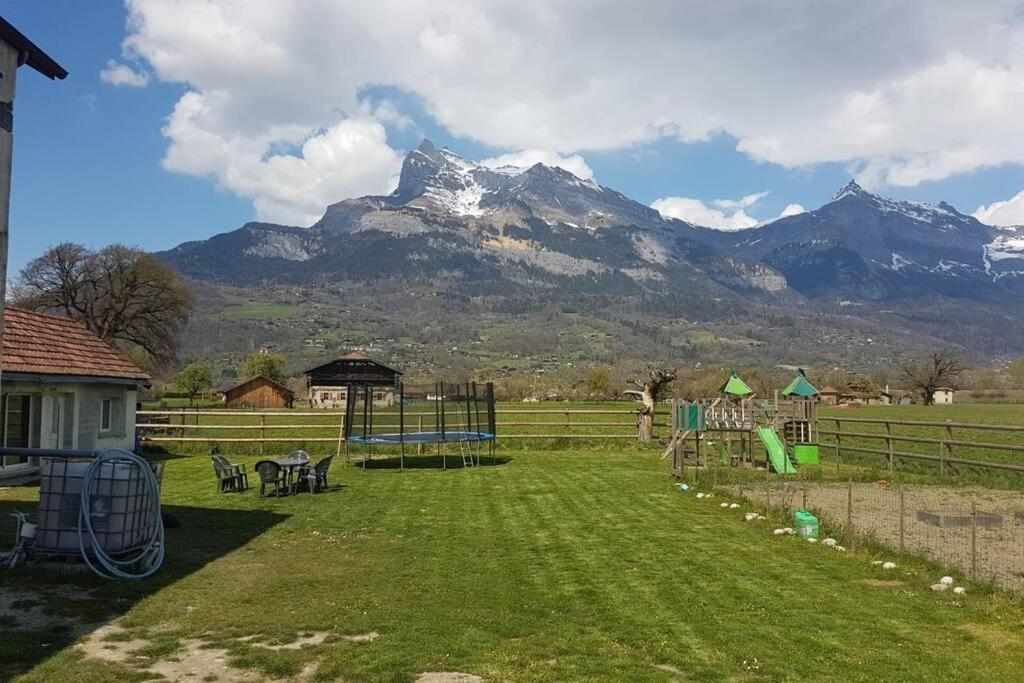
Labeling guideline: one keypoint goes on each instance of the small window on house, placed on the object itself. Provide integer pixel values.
(106, 415)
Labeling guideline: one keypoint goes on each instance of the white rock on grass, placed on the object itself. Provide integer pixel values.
(789, 530)
(828, 541)
(939, 587)
(948, 580)
(700, 495)
(877, 562)
(760, 518)
(889, 565)
(812, 540)
(779, 532)
(734, 506)
(959, 590)
(839, 548)
(723, 505)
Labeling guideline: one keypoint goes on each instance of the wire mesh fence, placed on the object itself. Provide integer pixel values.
(974, 531)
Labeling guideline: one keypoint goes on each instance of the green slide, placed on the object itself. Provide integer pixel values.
(776, 451)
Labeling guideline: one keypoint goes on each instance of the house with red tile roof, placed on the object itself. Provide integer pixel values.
(62, 387)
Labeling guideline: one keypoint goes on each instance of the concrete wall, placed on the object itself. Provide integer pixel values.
(80, 406)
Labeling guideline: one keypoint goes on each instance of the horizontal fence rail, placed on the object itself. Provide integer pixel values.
(853, 435)
(228, 426)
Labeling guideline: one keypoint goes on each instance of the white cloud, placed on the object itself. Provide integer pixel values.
(528, 157)
(350, 158)
(741, 203)
(697, 212)
(721, 214)
(899, 92)
(1004, 213)
(792, 210)
(122, 74)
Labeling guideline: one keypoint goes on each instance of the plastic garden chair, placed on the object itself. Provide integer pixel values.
(315, 478)
(237, 470)
(271, 474)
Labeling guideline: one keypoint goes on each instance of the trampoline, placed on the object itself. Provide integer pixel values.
(397, 438)
(460, 414)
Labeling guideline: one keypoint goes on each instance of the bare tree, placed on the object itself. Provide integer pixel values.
(938, 369)
(651, 389)
(123, 295)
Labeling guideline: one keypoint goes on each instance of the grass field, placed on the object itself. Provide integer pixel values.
(550, 566)
(242, 309)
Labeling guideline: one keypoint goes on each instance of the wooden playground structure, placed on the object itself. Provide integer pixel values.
(733, 424)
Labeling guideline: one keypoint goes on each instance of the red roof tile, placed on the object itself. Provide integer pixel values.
(44, 344)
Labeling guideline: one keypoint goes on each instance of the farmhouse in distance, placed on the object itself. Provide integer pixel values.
(328, 383)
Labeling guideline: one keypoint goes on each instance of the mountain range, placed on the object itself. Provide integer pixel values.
(528, 240)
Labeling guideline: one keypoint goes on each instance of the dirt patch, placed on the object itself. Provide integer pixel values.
(448, 677)
(995, 639)
(363, 637)
(193, 661)
(26, 610)
(298, 643)
(669, 668)
(882, 583)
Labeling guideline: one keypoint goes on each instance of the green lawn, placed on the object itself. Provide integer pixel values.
(259, 310)
(550, 566)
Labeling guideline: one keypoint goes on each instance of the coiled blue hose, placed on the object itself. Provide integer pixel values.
(149, 558)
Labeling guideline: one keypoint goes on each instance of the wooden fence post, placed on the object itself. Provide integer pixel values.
(839, 428)
(263, 432)
(888, 442)
(949, 446)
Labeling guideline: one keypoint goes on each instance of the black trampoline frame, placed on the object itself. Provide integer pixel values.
(467, 432)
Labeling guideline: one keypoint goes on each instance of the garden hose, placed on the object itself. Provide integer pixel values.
(148, 559)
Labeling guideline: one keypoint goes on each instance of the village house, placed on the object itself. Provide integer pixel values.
(328, 383)
(942, 396)
(63, 388)
(829, 396)
(258, 392)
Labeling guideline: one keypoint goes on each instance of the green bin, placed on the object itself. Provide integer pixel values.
(806, 453)
(806, 524)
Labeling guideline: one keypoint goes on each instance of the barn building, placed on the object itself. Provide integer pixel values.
(63, 388)
(328, 383)
(259, 392)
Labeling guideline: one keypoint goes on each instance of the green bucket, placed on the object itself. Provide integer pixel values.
(806, 524)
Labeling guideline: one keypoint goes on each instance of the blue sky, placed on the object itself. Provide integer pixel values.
(90, 156)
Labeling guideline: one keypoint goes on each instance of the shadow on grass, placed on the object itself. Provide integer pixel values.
(423, 462)
(201, 536)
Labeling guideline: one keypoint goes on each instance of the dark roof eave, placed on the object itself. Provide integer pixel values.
(31, 53)
(13, 375)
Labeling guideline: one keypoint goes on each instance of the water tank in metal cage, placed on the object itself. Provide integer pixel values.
(121, 507)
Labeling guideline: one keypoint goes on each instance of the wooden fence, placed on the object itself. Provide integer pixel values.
(324, 426)
(889, 443)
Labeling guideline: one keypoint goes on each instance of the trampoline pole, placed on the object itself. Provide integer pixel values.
(441, 399)
(476, 407)
(367, 448)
